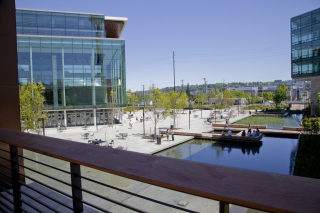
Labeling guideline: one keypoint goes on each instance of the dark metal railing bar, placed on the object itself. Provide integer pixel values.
(5, 190)
(8, 176)
(35, 199)
(5, 159)
(94, 206)
(15, 179)
(2, 210)
(4, 150)
(5, 205)
(43, 184)
(53, 199)
(28, 204)
(140, 196)
(5, 167)
(48, 176)
(4, 180)
(113, 201)
(6, 198)
(76, 187)
(45, 164)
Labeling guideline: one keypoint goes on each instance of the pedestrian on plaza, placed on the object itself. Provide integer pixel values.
(172, 135)
(167, 134)
(243, 133)
(227, 123)
(130, 124)
(249, 134)
(249, 129)
(265, 110)
(141, 119)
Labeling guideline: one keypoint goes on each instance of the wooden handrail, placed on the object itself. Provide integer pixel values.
(254, 189)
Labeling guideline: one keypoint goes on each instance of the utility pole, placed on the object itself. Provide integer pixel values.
(174, 75)
(144, 104)
(182, 86)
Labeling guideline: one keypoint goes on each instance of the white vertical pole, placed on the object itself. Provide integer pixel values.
(55, 76)
(31, 66)
(95, 117)
(63, 81)
(93, 91)
(65, 118)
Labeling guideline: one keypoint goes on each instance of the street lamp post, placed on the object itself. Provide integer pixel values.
(189, 112)
(215, 115)
(41, 119)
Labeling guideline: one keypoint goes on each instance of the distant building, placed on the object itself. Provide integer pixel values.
(277, 81)
(305, 51)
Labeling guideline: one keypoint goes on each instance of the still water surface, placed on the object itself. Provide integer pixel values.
(273, 155)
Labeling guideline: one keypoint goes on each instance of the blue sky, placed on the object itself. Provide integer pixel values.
(231, 40)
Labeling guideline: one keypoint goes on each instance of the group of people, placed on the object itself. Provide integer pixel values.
(170, 133)
(250, 133)
(137, 120)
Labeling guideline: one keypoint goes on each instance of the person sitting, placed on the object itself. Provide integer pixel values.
(208, 120)
(254, 134)
(258, 132)
(243, 133)
(223, 133)
(249, 134)
(229, 133)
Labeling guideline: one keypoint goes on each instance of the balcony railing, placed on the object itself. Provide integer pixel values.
(253, 189)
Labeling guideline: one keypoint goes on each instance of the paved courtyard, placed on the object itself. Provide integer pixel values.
(135, 143)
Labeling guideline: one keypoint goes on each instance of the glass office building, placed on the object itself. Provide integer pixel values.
(305, 51)
(305, 44)
(79, 58)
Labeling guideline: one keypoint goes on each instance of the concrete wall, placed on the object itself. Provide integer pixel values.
(9, 87)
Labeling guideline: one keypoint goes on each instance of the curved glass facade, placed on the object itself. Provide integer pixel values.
(305, 44)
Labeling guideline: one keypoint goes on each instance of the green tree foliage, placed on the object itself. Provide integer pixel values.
(128, 97)
(188, 91)
(175, 102)
(238, 94)
(268, 96)
(219, 96)
(32, 105)
(133, 100)
(228, 97)
(312, 125)
(280, 94)
(211, 94)
(156, 111)
(200, 99)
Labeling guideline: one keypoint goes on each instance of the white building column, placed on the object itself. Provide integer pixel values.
(54, 80)
(95, 117)
(93, 89)
(65, 118)
(63, 81)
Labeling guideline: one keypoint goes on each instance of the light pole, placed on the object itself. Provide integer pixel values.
(189, 112)
(41, 119)
(215, 115)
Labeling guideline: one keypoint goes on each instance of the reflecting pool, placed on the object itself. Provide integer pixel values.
(273, 122)
(272, 155)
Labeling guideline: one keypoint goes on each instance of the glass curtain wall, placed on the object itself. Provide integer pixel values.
(59, 24)
(76, 72)
(305, 44)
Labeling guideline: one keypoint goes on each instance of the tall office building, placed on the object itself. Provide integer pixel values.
(305, 51)
(79, 58)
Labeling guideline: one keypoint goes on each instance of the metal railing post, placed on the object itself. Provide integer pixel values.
(15, 179)
(223, 207)
(76, 187)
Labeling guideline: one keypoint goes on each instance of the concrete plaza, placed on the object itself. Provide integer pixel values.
(134, 143)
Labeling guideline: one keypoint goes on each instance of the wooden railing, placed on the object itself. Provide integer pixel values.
(253, 189)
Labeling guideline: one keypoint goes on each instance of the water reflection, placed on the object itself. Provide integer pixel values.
(274, 154)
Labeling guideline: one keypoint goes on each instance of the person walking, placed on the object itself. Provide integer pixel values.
(249, 128)
(167, 134)
(130, 124)
(172, 135)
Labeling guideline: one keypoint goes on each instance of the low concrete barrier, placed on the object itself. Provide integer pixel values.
(239, 126)
(294, 128)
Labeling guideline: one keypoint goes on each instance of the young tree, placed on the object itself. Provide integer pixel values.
(175, 102)
(156, 106)
(228, 97)
(32, 105)
(268, 96)
(219, 98)
(128, 96)
(200, 99)
(133, 101)
(280, 94)
(211, 94)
